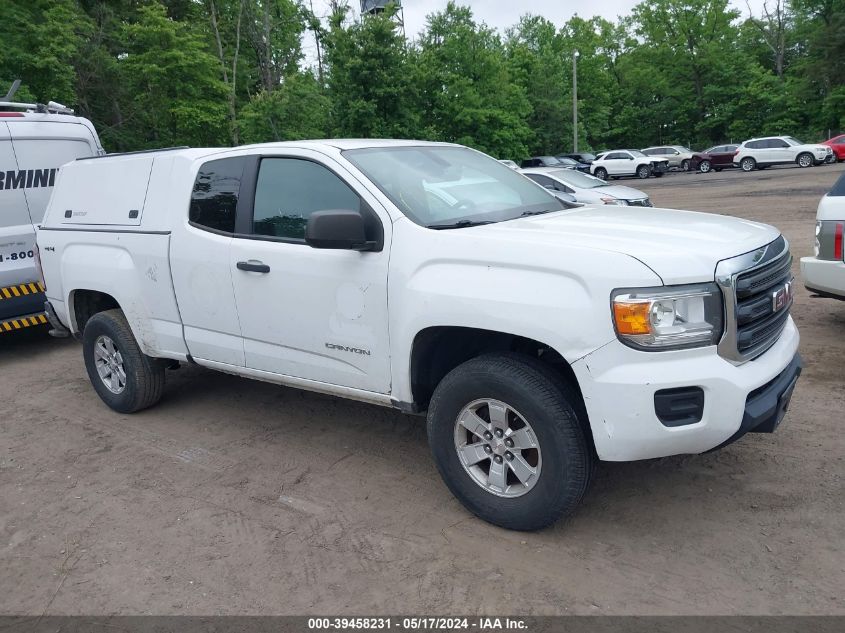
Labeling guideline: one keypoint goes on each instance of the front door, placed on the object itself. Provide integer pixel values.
(310, 313)
(619, 164)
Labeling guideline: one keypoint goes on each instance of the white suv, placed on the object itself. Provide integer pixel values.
(779, 150)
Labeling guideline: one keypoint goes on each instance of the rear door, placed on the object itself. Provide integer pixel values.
(41, 148)
(619, 163)
(17, 236)
(199, 260)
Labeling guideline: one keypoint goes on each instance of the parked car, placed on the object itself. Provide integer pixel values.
(35, 140)
(824, 272)
(571, 163)
(716, 158)
(837, 144)
(585, 188)
(540, 161)
(627, 162)
(430, 278)
(583, 157)
(678, 156)
(761, 153)
(509, 163)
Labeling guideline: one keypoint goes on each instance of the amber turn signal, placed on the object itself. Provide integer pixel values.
(632, 317)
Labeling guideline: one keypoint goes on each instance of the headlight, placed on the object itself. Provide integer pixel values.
(668, 317)
(617, 201)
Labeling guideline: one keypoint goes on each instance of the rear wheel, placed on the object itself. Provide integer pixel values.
(704, 166)
(122, 375)
(805, 160)
(643, 172)
(747, 164)
(600, 172)
(508, 443)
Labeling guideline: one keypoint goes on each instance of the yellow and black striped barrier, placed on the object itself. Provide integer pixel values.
(22, 322)
(21, 290)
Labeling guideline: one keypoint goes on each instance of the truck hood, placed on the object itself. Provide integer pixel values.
(679, 246)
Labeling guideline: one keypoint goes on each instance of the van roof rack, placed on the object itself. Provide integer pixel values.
(51, 107)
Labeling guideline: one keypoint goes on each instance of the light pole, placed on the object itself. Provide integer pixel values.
(575, 101)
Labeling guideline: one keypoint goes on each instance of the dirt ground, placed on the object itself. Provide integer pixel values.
(237, 497)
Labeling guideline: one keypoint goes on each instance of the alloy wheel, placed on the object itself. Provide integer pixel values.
(109, 363)
(497, 448)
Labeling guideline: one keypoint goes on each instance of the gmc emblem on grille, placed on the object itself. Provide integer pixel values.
(781, 297)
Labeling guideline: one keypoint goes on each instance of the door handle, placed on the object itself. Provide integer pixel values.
(253, 266)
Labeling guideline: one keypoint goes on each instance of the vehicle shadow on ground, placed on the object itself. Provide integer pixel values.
(29, 341)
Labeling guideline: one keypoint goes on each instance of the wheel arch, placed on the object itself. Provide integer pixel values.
(438, 350)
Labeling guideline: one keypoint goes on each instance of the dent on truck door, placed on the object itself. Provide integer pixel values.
(309, 313)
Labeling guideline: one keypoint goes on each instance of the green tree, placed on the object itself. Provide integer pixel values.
(467, 93)
(369, 78)
(174, 95)
(298, 109)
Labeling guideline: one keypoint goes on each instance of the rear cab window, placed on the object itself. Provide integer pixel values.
(214, 199)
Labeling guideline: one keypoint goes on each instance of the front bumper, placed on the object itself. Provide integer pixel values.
(824, 277)
(619, 385)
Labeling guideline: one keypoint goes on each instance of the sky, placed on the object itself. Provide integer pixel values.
(501, 14)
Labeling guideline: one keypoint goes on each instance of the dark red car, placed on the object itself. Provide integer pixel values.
(716, 158)
(837, 144)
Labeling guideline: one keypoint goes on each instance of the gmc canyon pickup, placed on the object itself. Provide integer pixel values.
(428, 277)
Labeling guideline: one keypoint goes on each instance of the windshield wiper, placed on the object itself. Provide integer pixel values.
(527, 213)
(460, 224)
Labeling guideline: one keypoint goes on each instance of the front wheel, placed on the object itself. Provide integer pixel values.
(704, 166)
(747, 164)
(805, 160)
(124, 377)
(643, 172)
(600, 172)
(505, 435)
(685, 165)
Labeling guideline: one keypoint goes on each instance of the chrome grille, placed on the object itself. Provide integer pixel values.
(758, 296)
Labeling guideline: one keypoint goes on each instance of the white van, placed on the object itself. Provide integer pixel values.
(35, 140)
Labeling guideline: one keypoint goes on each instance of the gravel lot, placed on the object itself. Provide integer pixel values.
(237, 497)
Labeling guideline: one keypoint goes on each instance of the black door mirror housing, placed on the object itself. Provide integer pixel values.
(339, 229)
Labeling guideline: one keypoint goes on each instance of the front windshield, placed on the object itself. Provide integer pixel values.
(437, 185)
(684, 150)
(567, 161)
(635, 152)
(792, 140)
(578, 179)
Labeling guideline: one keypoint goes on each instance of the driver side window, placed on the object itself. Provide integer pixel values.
(289, 190)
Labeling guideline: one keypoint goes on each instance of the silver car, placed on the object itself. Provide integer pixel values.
(585, 188)
(678, 156)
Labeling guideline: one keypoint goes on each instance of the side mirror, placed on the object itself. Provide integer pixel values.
(337, 229)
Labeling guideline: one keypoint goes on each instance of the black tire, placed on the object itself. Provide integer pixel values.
(747, 164)
(658, 174)
(685, 165)
(805, 159)
(551, 409)
(643, 172)
(705, 167)
(717, 169)
(600, 172)
(144, 382)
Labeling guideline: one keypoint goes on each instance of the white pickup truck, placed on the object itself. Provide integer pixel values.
(431, 278)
